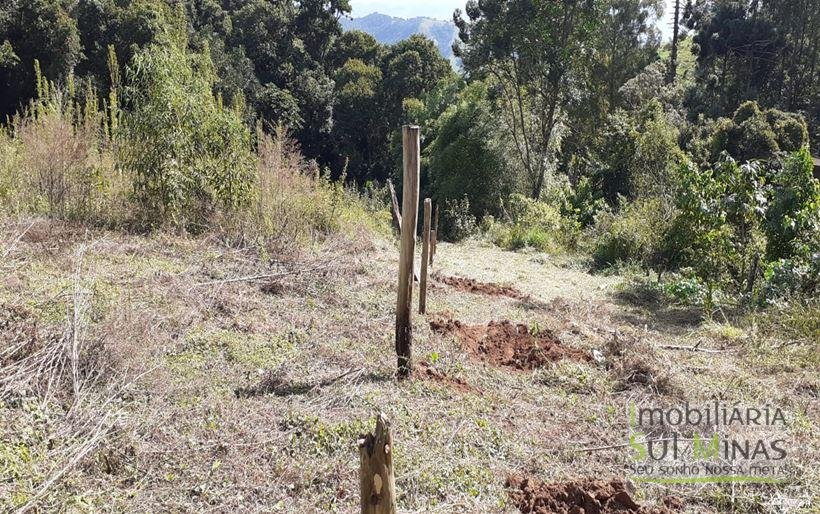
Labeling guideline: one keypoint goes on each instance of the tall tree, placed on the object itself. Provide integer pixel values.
(32, 30)
(673, 59)
(534, 50)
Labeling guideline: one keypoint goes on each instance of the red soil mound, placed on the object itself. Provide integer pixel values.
(506, 344)
(426, 371)
(586, 496)
(469, 285)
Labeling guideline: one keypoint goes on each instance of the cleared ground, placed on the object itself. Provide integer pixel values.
(248, 395)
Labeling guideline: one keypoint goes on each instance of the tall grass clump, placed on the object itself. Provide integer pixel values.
(56, 158)
(163, 151)
(293, 204)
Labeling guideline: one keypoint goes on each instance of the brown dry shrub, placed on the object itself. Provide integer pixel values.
(634, 362)
(64, 169)
(293, 204)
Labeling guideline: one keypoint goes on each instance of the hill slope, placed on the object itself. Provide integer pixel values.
(249, 394)
(389, 29)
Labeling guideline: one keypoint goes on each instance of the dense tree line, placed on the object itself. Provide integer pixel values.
(566, 119)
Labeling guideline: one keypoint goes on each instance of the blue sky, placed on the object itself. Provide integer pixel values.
(443, 9)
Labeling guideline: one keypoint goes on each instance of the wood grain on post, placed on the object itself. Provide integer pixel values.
(410, 206)
(425, 256)
(435, 232)
(394, 203)
(377, 485)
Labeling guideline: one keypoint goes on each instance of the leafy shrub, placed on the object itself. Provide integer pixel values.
(189, 154)
(457, 222)
(534, 224)
(793, 216)
(462, 160)
(640, 153)
(583, 202)
(632, 235)
(785, 279)
(756, 134)
(685, 291)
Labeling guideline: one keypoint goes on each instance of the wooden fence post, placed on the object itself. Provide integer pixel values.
(425, 256)
(397, 217)
(435, 234)
(377, 485)
(410, 206)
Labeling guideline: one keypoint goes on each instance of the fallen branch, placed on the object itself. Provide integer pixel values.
(268, 276)
(695, 348)
(623, 445)
(17, 240)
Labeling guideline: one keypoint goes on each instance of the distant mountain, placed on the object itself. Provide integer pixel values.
(388, 30)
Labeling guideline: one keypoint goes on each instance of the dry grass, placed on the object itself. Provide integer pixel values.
(256, 390)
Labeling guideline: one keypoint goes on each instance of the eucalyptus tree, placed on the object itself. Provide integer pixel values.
(535, 53)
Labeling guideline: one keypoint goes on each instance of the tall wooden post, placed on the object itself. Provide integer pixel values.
(377, 485)
(425, 256)
(410, 206)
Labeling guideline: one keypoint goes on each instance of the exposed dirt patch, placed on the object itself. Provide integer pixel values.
(469, 285)
(426, 371)
(504, 343)
(584, 496)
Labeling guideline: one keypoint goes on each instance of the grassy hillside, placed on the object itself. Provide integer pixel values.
(187, 386)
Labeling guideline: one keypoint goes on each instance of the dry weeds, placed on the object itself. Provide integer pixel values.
(252, 393)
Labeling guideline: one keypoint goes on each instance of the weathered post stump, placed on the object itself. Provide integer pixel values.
(377, 485)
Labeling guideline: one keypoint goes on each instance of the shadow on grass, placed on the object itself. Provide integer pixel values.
(273, 383)
(651, 308)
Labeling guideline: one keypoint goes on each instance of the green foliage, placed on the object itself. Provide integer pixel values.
(533, 51)
(456, 222)
(756, 134)
(634, 234)
(583, 202)
(640, 154)
(685, 291)
(794, 215)
(531, 224)
(34, 29)
(718, 227)
(462, 161)
(189, 154)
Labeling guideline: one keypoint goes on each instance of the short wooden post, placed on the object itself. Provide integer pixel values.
(425, 256)
(377, 485)
(433, 240)
(410, 206)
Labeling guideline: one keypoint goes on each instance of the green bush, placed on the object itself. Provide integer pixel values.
(457, 221)
(534, 224)
(462, 160)
(633, 235)
(685, 291)
(189, 154)
(756, 134)
(640, 153)
(792, 218)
